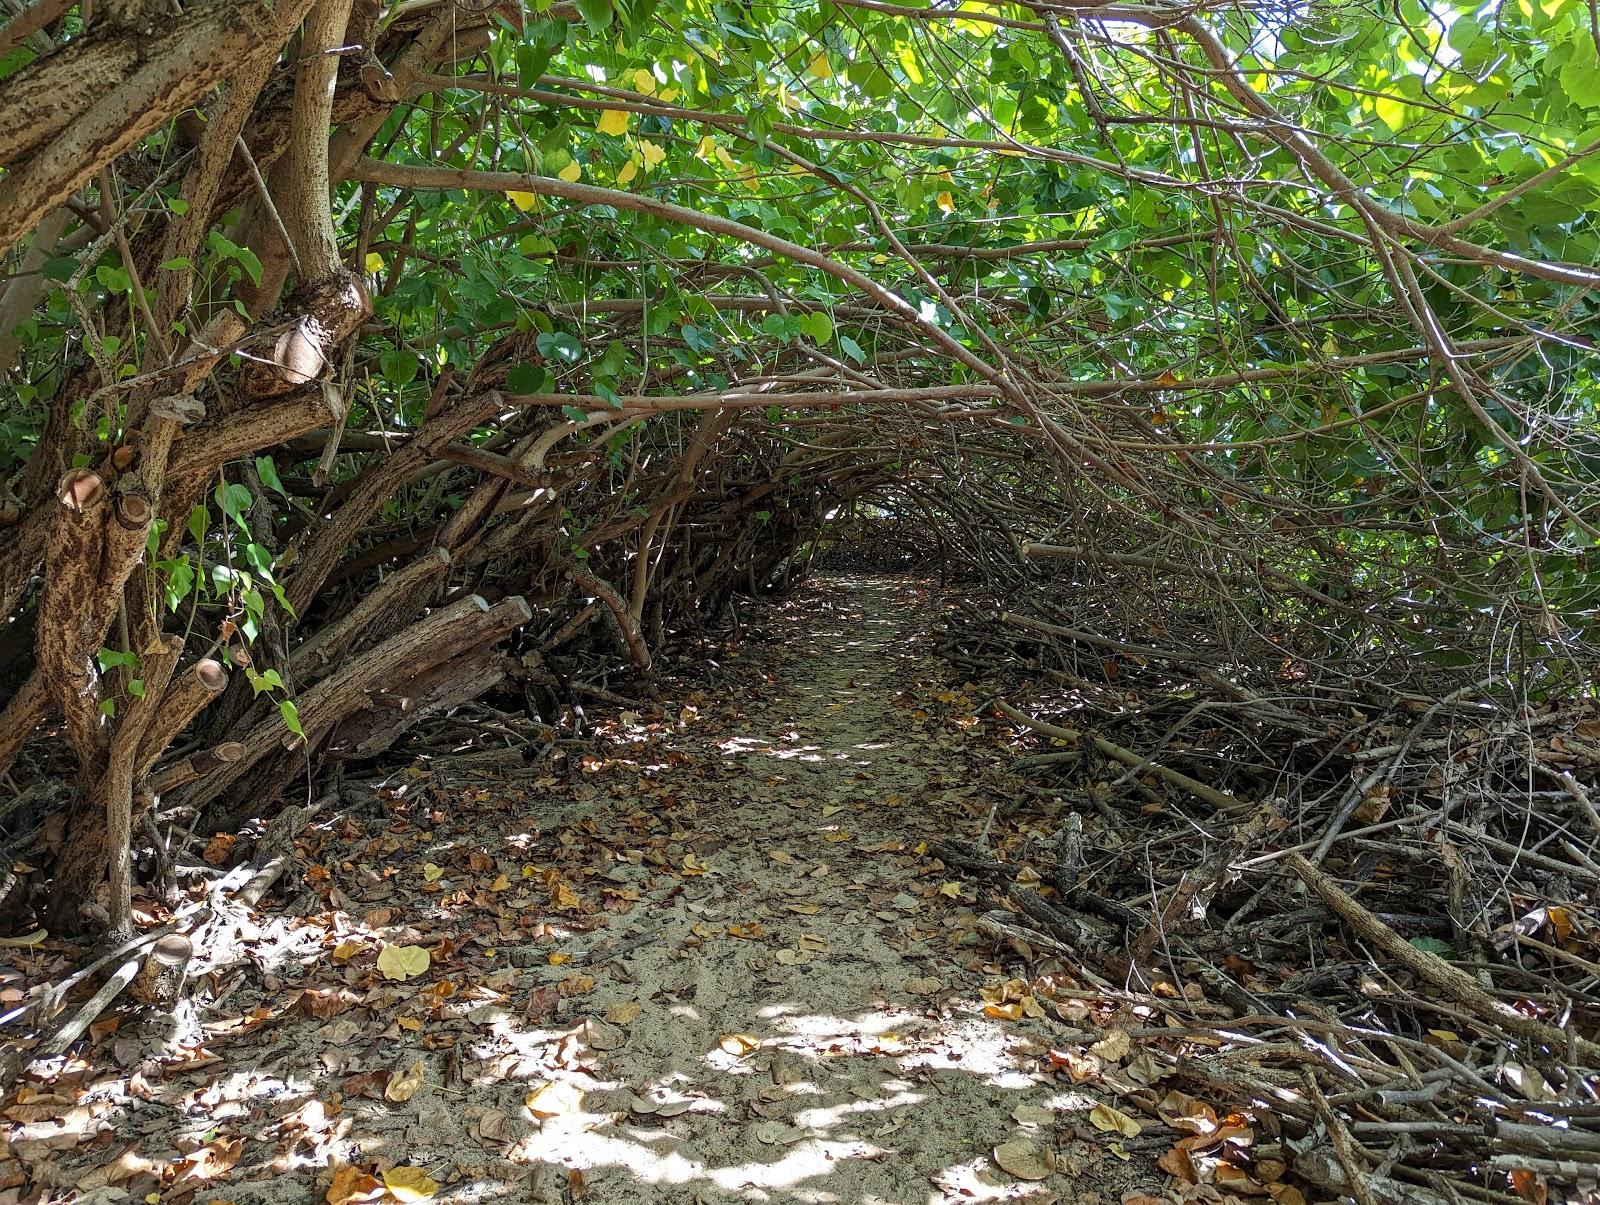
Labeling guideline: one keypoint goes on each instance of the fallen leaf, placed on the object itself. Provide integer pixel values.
(501, 883)
(432, 873)
(1032, 1115)
(1024, 1160)
(1113, 1047)
(351, 1184)
(747, 932)
(408, 1184)
(556, 1098)
(623, 1012)
(346, 950)
(738, 1044)
(402, 962)
(402, 1088)
(1114, 1121)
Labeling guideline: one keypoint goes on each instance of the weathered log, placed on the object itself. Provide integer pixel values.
(369, 732)
(399, 596)
(469, 623)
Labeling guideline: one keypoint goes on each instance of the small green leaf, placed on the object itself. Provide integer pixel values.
(136, 688)
(291, 717)
(267, 470)
(177, 263)
(199, 521)
(573, 413)
(852, 349)
(1433, 945)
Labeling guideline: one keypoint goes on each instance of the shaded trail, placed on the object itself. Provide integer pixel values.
(711, 966)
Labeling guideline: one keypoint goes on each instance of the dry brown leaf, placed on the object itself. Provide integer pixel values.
(1024, 1160)
(623, 1012)
(1113, 1048)
(351, 1185)
(1114, 1121)
(402, 1088)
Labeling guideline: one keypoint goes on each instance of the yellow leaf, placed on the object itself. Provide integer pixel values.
(570, 173)
(749, 932)
(803, 909)
(705, 147)
(1114, 1121)
(527, 872)
(409, 1184)
(374, 262)
(409, 1024)
(613, 121)
(819, 67)
(560, 960)
(555, 1099)
(630, 169)
(1004, 1012)
(432, 873)
(1391, 112)
(644, 82)
(402, 1088)
(951, 889)
(947, 202)
(524, 200)
(346, 950)
(653, 154)
(500, 884)
(726, 159)
(838, 836)
(402, 962)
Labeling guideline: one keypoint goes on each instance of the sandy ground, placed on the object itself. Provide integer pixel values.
(710, 965)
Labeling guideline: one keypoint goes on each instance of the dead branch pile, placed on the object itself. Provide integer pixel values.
(1346, 893)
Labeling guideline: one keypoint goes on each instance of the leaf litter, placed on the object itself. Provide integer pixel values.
(711, 961)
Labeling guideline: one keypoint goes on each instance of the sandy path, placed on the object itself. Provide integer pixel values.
(795, 1015)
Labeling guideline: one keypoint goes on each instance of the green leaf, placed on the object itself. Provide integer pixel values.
(559, 346)
(528, 378)
(596, 14)
(177, 262)
(267, 470)
(852, 349)
(291, 717)
(574, 414)
(1433, 945)
(818, 326)
(199, 523)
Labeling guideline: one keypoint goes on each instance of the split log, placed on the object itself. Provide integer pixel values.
(441, 689)
(433, 640)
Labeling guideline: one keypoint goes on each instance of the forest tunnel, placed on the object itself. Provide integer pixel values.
(392, 383)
